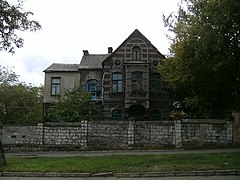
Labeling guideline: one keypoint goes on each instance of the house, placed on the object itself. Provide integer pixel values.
(125, 81)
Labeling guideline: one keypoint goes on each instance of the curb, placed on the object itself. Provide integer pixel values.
(124, 175)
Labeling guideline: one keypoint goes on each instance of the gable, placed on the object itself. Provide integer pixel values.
(148, 50)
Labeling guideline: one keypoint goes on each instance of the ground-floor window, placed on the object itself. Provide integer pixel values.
(155, 115)
(117, 114)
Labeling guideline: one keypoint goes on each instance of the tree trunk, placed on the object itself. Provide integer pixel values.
(2, 155)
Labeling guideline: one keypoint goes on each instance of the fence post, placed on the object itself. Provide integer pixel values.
(178, 133)
(40, 134)
(131, 129)
(229, 131)
(84, 134)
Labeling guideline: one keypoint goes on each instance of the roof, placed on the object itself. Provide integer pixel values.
(56, 67)
(137, 33)
(92, 61)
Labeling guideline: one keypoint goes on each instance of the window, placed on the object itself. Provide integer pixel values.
(155, 63)
(137, 78)
(136, 53)
(155, 115)
(117, 63)
(155, 83)
(55, 86)
(116, 114)
(93, 86)
(117, 83)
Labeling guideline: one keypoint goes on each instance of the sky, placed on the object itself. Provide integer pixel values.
(71, 26)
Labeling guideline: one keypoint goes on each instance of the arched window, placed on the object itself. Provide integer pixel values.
(93, 86)
(155, 115)
(117, 83)
(136, 53)
(117, 114)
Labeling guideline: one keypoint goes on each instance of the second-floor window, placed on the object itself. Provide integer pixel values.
(55, 86)
(136, 53)
(93, 87)
(117, 82)
(155, 83)
(137, 79)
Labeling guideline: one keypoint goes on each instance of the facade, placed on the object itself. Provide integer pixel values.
(124, 81)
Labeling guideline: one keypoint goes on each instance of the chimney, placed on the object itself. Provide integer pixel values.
(85, 52)
(110, 50)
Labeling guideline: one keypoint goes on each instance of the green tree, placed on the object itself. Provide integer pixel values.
(75, 106)
(13, 19)
(20, 104)
(204, 70)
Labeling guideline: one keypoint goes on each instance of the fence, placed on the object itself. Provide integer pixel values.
(98, 135)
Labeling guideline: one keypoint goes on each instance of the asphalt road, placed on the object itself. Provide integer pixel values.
(115, 178)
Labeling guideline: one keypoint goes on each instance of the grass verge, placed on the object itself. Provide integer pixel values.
(125, 163)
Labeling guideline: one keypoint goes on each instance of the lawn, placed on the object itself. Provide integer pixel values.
(125, 163)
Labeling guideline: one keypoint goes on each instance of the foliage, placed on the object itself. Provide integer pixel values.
(204, 70)
(7, 76)
(125, 163)
(19, 103)
(75, 106)
(12, 19)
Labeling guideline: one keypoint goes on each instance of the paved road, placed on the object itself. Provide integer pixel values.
(115, 178)
(128, 152)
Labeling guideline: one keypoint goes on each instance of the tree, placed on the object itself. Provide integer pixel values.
(13, 19)
(75, 106)
(20, 104)
(204, 70)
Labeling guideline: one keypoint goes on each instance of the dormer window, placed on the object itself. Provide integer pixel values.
(136, 53)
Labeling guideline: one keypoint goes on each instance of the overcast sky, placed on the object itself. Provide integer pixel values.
(71, 26)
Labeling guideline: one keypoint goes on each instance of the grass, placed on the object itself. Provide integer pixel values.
(125, 163)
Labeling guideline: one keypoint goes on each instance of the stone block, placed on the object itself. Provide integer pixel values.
(105, 174)
(185, 173)
(126, 175)
(225, 172)
(205, 173)
(157, 174)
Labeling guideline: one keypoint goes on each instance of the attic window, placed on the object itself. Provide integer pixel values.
(136, 53)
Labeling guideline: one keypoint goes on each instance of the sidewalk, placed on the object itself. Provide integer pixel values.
(119, 152)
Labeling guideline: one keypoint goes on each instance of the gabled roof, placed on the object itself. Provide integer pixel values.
(136, 34)
(92, 61)
(56, 67)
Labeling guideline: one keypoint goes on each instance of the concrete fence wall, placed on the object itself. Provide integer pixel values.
(97, 135)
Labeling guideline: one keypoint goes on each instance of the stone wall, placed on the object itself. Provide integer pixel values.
(99, 135)
(205, 132)
(20, 135)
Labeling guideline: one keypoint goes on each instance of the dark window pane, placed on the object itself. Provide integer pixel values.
(117, 83)
(55, 86)
(117, 114)
(93, 86)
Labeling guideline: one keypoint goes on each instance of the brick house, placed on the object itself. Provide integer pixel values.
(124, 81)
